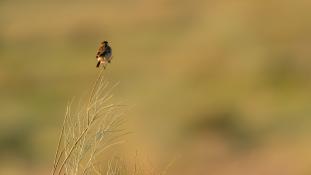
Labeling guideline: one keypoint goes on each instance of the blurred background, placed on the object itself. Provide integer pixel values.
(221, 87)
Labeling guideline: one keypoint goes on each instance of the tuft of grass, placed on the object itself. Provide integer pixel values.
(88, 131)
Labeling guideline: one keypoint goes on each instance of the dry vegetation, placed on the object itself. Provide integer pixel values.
(89, 131)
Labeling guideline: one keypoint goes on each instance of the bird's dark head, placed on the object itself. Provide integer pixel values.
(104, 43)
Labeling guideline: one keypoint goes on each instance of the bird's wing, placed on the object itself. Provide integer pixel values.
(100, 51)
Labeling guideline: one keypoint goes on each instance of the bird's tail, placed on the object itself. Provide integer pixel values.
(98, 63)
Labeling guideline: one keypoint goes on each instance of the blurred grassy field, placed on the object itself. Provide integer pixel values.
(224, 84)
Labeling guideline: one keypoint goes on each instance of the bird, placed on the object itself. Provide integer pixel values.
(104, 54)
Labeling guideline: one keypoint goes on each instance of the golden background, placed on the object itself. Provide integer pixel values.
(223, 86)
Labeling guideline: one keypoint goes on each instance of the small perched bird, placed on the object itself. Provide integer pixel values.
(104, 54)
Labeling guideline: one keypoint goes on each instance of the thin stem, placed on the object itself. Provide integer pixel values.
(57, 157)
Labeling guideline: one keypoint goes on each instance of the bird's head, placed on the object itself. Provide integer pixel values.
(104, 43)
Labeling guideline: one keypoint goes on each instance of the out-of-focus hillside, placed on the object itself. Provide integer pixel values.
(224, 84)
